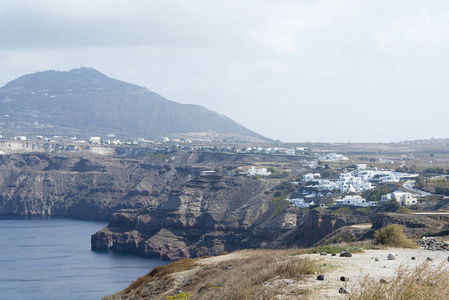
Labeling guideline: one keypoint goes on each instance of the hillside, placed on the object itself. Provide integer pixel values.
(86, 102)
(292, 274)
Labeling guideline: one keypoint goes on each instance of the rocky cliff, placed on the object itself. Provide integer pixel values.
(158, 204)
(212, 214)
(85, 187)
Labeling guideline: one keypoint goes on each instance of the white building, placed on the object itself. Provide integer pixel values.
(310, 177)
(95, 140)
(299, 202)
(347, 183)
(290, 152)
(325, 185)
(333, 157)
(354, 201)
(261, 172)
(403, 198)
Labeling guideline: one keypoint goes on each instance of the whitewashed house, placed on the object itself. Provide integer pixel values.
(261, 172)
(354, 200)
(325, 185)
(310, 177)
(347, 183)
(95, 140)
(290, 152)
(299, 202)
(404, 198)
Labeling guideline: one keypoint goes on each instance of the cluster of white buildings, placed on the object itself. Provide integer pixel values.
(356, 182)
(346, 183)
(384, 176)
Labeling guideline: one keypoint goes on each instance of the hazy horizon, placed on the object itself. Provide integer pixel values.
(298, 71)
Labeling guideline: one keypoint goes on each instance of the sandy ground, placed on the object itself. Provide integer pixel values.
(362, 264)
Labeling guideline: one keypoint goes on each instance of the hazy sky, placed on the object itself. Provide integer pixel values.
(298, 71)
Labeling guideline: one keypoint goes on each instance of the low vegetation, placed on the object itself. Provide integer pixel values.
(421, 283)
(393, 235)
(335, 249)
(251, 274)
(164, 271)
(376, 193)
(247, 278)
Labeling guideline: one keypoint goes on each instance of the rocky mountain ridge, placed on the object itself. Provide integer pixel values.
(86, 102)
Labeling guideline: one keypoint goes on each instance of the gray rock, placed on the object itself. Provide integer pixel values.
(429, 259)
(345, 254)
(383, 280)
(391, 257)
(323, 253)
(342, 290)
(334, 254)
(376, 259)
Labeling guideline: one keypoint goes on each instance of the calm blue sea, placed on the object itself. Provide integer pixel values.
(51, 259)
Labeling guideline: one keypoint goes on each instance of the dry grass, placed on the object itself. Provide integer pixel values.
(160, 272)
(422, 283)
(250, 278)
(393, 235)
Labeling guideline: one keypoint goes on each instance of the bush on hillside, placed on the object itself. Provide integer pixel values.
(393, 235)
(390, 206)
(403, 210)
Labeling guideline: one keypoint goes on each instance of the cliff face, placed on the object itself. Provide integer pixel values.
(158, 204)
(206, 215)
(213, 214)
(86, 188)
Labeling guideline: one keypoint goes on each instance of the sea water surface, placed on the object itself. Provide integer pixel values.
(51, 259)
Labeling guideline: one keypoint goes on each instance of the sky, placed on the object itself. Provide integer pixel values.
(297, 71)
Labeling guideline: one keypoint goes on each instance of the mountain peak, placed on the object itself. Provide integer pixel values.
(85, 101)
(81, 79)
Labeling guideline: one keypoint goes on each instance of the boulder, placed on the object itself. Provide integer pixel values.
(345, 254)
(391, 257)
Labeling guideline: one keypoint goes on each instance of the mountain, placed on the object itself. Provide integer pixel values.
(86, 102)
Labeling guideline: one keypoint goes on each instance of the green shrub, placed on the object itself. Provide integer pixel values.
(393, 235)
(179, 296)
(403, 210)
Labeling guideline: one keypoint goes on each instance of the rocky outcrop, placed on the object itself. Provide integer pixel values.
(217, 213)
(85, 187)
(158, 204)
(207, 215)
(414, 225)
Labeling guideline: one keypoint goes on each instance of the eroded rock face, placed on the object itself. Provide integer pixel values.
(205, 216)
(92, 187)
(218, 213)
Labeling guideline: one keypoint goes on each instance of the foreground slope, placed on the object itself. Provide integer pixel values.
(287, 274)
(85, 101)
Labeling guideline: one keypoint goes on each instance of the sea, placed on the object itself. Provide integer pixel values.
(51, 259)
